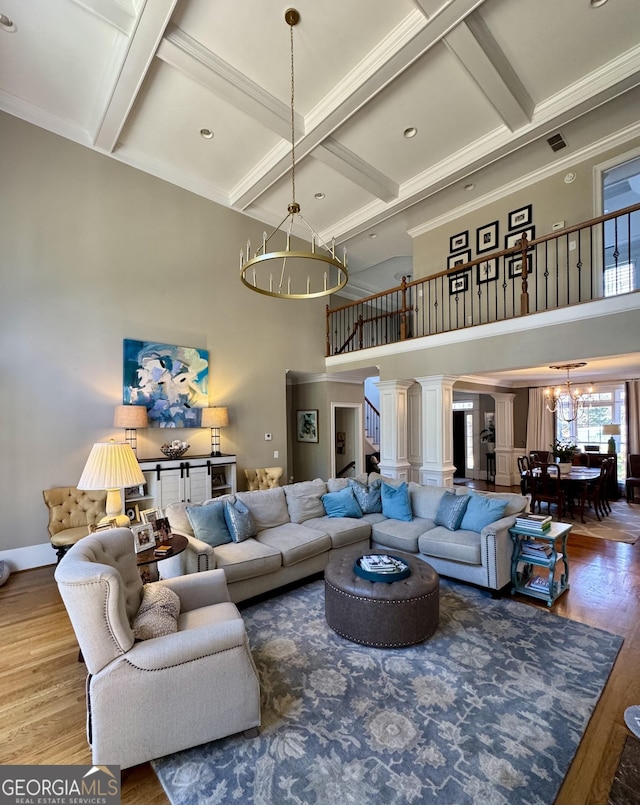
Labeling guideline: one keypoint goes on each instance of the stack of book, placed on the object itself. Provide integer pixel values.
(163, 550)
(539, 584)
(380, 563)
(531, 549)
(533, 523)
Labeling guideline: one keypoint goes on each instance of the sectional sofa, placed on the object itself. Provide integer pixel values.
(293, 536)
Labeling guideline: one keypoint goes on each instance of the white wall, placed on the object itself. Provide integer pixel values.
(92, 252)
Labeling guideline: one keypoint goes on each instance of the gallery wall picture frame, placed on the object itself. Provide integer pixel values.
(513, 238)
(514, 266)
(458, 283)
(521, 217)
(487, 237)
(459, 241)
(307, 425)
(456, 260)
(487, 271)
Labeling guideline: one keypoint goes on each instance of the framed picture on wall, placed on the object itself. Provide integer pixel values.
(459, 259)
(487, 237)
(515, 266)
(487, 270)
(459, 241)
(521, 217)
(458, 283)
(307, 425)
(514, 238)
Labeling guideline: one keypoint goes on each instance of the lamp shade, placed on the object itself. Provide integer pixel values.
(111, 465)
(130, 416)
(611, 430)
(217, 417)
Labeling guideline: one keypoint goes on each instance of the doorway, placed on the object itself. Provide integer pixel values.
(459, 444)
(347, 439)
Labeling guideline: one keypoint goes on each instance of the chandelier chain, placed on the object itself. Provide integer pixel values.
(293, 133)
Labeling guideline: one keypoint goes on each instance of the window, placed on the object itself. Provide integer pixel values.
(620, 189)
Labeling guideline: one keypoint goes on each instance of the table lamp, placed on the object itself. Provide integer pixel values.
(112, 466)
(131, 417)
(611, 431)
(215, 418)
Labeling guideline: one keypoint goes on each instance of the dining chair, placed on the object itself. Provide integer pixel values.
(633, 476)
(596, 491)
(524, 468)
(546, 487)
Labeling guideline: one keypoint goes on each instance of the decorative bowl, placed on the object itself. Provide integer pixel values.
(175, 450)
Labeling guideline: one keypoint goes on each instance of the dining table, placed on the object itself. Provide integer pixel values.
(575, 485)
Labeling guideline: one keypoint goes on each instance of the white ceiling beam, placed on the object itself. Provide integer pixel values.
(352, 167)
(121, 16)
(476, 49)
(142, 47)
(373, 81)
(184, 53)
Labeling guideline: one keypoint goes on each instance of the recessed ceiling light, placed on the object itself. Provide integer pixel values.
(373, 235)
(597, 3)
(410, 132)
(470, 186)
(570, 177)
(206, 133)
(319, 196)
(7, 25)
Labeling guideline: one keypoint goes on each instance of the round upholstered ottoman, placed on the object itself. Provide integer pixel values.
(378, 613)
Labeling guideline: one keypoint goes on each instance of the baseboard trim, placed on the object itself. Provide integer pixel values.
(29, 557)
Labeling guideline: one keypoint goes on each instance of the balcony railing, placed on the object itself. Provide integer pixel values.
(579, 264)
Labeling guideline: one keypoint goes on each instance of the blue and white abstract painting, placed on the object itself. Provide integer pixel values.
(171, 381)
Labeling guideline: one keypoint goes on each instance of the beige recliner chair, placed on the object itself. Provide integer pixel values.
(263, 478)
(148, 699)
(71, 512)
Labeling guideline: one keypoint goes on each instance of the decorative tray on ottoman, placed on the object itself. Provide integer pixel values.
(381, 567)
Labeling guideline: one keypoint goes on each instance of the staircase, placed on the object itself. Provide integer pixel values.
(371, 427)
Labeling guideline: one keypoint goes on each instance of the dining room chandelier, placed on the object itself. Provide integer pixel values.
(565, 401)
(285, 272)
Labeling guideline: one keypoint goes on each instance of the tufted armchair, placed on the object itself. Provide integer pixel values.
(263, 478)
(71, 512)
(151, 698)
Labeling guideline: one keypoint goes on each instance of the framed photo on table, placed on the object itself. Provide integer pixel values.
(133, 512)
(487, 238)
(150, 515)
(307, 425)
(143, 537)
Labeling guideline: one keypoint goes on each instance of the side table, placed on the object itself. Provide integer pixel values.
(148, 561)
(523, 566)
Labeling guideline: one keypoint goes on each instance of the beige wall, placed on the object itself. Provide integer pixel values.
(93, 252)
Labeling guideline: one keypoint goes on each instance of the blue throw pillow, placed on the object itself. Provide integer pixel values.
(341, 504)
(396, 504)
(239, 521)
(208, 523)
(481, 511)
(369, 497)
(451, 510)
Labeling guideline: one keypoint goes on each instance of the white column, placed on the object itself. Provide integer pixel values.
(437, 430)
(506, 461)
(393, 428)
(414, 430)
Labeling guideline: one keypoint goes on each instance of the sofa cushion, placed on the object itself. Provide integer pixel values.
(369, 496)
(481, 511)
(304, 500)
(208, 523)
(451, 510)
(395, 502)
(515, 503)
(425, 499)
(295, 542)
(341, 504)
(398, 534)
(240, 523)
(342, 530)
(268, 507)
(457, 546)
(158, 613)
(177, 513)
(245, 560)
(336, 484)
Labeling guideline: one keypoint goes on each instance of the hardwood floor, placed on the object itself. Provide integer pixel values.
(42, 698)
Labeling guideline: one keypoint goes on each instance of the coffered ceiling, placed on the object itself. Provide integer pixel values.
(483, 82)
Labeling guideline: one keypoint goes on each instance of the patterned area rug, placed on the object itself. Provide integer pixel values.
(622, 525)
(490, 710)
